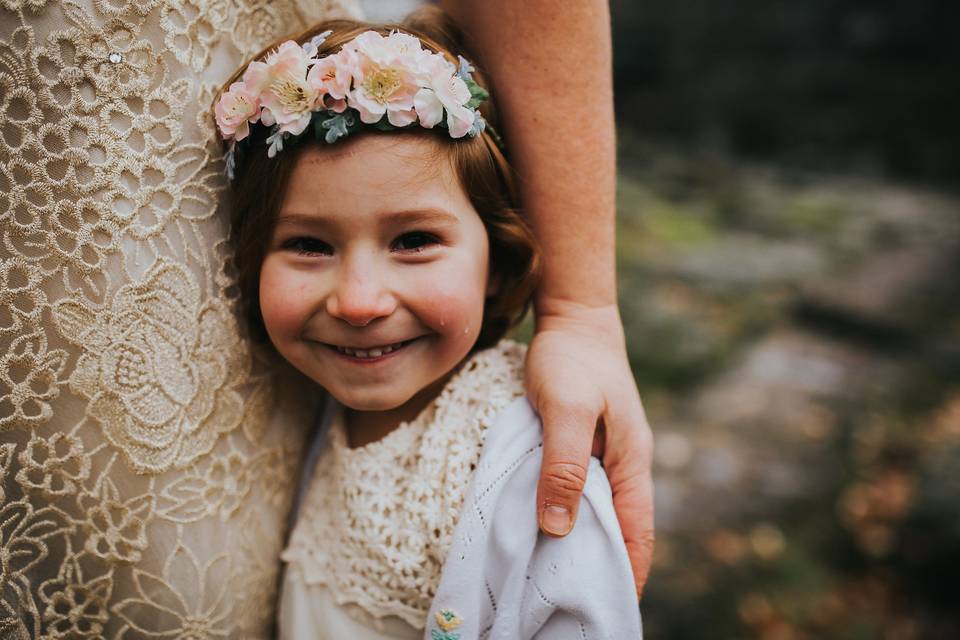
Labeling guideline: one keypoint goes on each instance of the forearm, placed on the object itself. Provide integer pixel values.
(550, 67)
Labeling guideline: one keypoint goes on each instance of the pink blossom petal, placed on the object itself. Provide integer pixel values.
(256, 77)
(401, 117)
(267, 117)
(429, 108)
(296, 127)
(458, 126)
(370, 110)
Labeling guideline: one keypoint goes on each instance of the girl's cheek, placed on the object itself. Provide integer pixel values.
(281, 298)
(454, 300)
(453, 308)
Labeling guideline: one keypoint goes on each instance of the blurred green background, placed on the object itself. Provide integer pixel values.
(789, 244)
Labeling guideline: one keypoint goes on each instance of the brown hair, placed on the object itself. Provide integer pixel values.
(260, 183)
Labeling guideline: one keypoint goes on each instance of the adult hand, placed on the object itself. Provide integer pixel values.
(578, 377)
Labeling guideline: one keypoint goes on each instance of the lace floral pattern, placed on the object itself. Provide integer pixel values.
(143, 487)
(377, 522)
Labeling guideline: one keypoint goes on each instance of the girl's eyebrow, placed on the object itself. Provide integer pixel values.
(421, 215)
(408, 216)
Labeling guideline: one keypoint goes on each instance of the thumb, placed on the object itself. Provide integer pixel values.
(567, 438)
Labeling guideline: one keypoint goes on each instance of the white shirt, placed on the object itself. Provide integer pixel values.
(500, 578)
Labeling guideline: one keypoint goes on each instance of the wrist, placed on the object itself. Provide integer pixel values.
(599, 320)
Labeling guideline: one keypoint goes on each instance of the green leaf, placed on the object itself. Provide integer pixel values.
(477, 94)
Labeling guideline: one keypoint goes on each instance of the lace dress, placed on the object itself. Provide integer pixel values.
(376, 523)
(145, 471)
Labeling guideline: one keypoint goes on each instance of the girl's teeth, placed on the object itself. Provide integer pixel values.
(370, 353)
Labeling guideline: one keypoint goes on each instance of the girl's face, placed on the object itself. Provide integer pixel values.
(374, 282)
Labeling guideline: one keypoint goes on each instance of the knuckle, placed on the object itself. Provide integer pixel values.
(564, 478)
(570, 402)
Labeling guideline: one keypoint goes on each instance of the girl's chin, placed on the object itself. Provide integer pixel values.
(377, 398)
(370, 405)
(404, 404)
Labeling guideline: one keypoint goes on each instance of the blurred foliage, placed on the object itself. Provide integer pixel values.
(794, 335)
(853, 85)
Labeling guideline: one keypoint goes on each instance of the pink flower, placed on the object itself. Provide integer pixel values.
(445, 90)
(235, 110)
(386, 76)
(333, 74)
(374, 75)
(287, 97)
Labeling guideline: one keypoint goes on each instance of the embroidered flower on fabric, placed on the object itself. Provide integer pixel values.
(58, 67)
(219, 489)
(159, 610)
(75, 608)
(447, 619)
(193, 28)
(53, 466)
(20, 107)
(29, 381)
(112, 58)
(21, 300)
(64, 162)
(116, 531)
(26, 536)
(72, 244)
(16, 5)
(157, 368)
(149, 126)
(257, 23)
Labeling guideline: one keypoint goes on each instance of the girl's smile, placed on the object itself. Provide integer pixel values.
(375, 277)
(372, 353)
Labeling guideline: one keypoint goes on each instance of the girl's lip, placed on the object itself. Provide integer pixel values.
(366, 356)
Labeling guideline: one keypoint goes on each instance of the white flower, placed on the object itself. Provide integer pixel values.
(287, 96)
(445, 91)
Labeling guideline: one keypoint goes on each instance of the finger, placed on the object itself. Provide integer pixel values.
(629, 449)
(567, 436)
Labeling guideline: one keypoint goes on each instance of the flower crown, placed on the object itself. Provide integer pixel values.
(388, 82)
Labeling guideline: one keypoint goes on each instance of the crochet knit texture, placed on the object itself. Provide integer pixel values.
(377, 521)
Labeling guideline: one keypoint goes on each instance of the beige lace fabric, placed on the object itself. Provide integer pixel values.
(145, 472)
(377, 521)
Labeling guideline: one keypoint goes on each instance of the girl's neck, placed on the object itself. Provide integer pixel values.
(364, 427)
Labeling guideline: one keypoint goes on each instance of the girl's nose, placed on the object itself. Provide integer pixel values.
(360, 299)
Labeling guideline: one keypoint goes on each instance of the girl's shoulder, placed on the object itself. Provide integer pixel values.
(504, 577)
(498, 369)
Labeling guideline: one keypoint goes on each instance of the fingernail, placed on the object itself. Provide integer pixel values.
(556, 520)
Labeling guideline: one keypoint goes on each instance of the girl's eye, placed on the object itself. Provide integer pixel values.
(414, 241)
(308, 246)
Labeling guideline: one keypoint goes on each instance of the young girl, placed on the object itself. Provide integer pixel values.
(380, 249)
